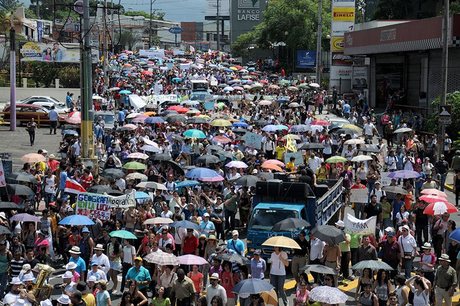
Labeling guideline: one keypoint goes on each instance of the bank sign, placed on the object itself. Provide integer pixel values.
(245, 15)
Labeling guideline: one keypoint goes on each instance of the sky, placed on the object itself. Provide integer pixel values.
(175, 10)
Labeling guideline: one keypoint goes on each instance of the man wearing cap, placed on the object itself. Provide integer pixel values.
(391, 253)
(140, 274)
(206, 225)
(300, 256)
(235, 244)
(17, 293)
(183, 289)
(445, 281)
(408, 248)
(96, 272)
(86, 245)
(215, 289)
(101, 259)
(81, 264)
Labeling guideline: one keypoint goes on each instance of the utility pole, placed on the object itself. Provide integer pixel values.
(12, 76)
(218, 24)
(444, 73)
(105, 50)
(112, 26)
(150, 24)
(319, 35)
(87, 143)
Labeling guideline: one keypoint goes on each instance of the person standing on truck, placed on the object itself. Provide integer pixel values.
(300, 256)
(279, 262)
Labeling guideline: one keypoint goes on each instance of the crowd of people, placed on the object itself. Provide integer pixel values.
(289, 116)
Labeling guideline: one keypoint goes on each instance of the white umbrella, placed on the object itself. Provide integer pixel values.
(328, 295)
(96, 97)
(229, 88)
(162, 259)
(137, 176)
(361, 158)
(314, 85)
(151, 143)
(148, 148)
(152, 185)
(403, 130)
(236, 164)
(265, 102)
(315, 128)
(158, 220)
(354, 141)
(132, 115)
(294, 104)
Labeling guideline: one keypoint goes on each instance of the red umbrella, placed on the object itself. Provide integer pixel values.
(432, 198)
(222, 139)
(439, 208)
(321, 122)
(435, 192)
(175, 107)
(74, 118)
(182, 110)
(147, 72)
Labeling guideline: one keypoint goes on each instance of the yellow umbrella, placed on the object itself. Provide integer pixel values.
(221, 122)
(282, 242)
(352, 127)
(150, 113)
(234, 68)
(204, 117)
(270, 297)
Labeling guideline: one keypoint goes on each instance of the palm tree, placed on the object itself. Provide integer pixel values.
(128, 39)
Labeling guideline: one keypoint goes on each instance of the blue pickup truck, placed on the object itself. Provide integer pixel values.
(277, 200)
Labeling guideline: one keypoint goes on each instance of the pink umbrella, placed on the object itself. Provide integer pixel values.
(221, 139)
(432, 199)
(74, 118)
(129, 127)
(435, 192)
(192, 260)
(139, 119)
(238, 88)
(274, 161)
(212, 179)
(439, 208)
(321, 122)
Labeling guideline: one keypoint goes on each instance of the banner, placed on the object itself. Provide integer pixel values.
(359, 195)
(346, 14)
(152, 54)
(95, 206)
(358, 226)
(124, 201)
(2, 175)
(55, 52)
(306, 59)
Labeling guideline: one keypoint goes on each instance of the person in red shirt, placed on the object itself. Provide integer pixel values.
(53, 164)
(190, 243)
(87, 178)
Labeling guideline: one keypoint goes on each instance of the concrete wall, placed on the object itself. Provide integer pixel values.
(22, 93)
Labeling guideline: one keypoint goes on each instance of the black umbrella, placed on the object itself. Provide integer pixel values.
(247, 181)
(240, 131)
(207, 159)
(176, 167)
(161, 157)
(319, 269)
(10, 205)
(22, 177)
(4, 230)
(370, 149)
(169, 112)
(100, 189)
(113, 173)
(329, 234)
(290, 224)
(198, 120)
(176, 118)
(223, 155)
(311, 146)
(214, 148)
(177, 137)
(20, 190)
(262, 122)
(234, 258)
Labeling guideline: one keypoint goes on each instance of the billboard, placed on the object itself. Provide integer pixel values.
(337, 44)
(341, 72)
(340, 28)
(245, 15)
(53, 52)
(306, 59)
(343, 14)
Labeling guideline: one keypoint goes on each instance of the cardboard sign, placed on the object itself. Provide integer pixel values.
(384, 179)
(95, 206)
(252, 140)
(359, 195)
(357, 226)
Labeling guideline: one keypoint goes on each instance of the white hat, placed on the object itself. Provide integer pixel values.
(235, 232)
(389, 229)
(64, 299)
(75, 250)
(3, 215)
(444, 257)
(406, 227)
(25, 268)
(92, 278)
(67, 274)
(254, 171)
(427, 246)
(214, 276)
(70, 266)
(340, 223)
(205, 215)
(16, 281)
(46, 302)
(29, 277)
(99, 247)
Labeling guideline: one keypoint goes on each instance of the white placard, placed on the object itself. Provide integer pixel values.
(359, 195)
(357, 226)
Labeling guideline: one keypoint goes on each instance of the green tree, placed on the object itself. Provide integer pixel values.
(43, 73)
(293, 22)
(70, 76)
(432, 124)
(128, 39)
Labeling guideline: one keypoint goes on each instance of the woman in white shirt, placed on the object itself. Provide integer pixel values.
(279, 262)
(50, 187)
(421, 287)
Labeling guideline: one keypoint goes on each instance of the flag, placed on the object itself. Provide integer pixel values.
(72, 186)
(192, 49)
(2, 175)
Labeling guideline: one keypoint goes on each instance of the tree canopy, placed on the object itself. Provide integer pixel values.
(293, 22)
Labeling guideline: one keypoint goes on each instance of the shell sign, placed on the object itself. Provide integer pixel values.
(337, 44)
(343, 14)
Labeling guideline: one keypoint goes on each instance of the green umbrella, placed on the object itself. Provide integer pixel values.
(336, 159)
(123, 234)
(220, 105)
(135, 166)
(284, 82)
(193, 133)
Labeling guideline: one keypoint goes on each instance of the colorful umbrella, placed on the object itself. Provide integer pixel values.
(404, 174)
(272, 167)
(134, 166)
(236, 164)
(336, 159)
(74, 118)
(320, 122)
(123, 234)
(33, 158)
(76, 220)
(282, 242)
(251, 286)
(221, 139)
(201, 173)
(274, 161)
(439, 208)
(433, 191)
(193, 133)
(432, 198)
(187, 183)
(221, 123)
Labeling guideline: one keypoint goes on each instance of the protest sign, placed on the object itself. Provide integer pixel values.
(95, 206)
(252, 140)
(124, 201)
(359, 195)
(357, 226)
(384, 179)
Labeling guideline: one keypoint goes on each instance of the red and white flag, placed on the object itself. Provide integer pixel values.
(72, 186)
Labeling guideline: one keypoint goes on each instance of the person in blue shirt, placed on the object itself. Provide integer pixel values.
(207, 226)
(235, 244)
(69, 101)
(53, 116)
(81, 264)
(140, 275)
(346, 109)
(62, 179)
(121, 117)
(397, 203)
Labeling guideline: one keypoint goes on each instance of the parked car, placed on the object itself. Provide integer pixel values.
(48, 105)
(25, 112)
(107, 117)
(37, 99)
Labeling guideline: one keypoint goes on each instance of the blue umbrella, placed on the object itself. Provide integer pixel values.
(282, 100)
(70, 132)
(240, 124)
(300, 128)
(252, 286)
(193, 133)
(125, 92)
(76, 220)
(154, 120)
(404, 174)
(187, 183)
(200, 173)
(140, 195)
(455, 235)
(185, 224)
(176, 80)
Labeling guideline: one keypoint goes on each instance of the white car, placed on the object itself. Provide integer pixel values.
(47, 102)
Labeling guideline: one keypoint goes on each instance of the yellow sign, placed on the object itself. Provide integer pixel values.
(337, 44)
(343, 14)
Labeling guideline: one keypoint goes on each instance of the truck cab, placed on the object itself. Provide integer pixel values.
(276, 200)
